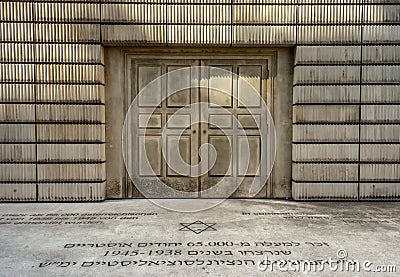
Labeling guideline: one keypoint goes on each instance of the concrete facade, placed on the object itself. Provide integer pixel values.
(55, 97)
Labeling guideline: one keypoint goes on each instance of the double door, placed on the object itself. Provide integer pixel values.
(196, 116)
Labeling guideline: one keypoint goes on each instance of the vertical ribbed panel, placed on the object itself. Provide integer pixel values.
(11, 172)
(139, 13)
(325, 114)
(381, 94)
(265, 14)
(17, 152)
(382, 13)
(326, 94)
(329, 13)
(380, 152)
(13, 52)
(17, 113)
(67, 12)
(15, 73)
(325, 152)
(68, 93)
(381, 54)
(16, 11)
(325, 172)
(17, 192)
(381, 74)
(380, 191)
(381, 34)
(71, 172)
(328, 55)
(71, 113)
(71, 192)
(66, 73)
(16, 32)
(69, 53)
(380, 133)
(326, 74)
(199, 34)
(133, 34)
(328, 34)
(70, 153)
(380, 114)
(17, 92)
(264, 35)
(325, 191)
(89, 33)
(199, 14)
(82, 133)
(325, 133)
(380, 172)
(17, 132)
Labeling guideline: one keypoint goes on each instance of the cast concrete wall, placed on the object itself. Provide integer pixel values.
(346, 117)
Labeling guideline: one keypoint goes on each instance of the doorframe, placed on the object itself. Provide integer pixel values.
(117, 187)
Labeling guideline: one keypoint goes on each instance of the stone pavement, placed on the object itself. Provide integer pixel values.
(235, 238)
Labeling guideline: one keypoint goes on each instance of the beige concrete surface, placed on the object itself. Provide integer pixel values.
(137, 238)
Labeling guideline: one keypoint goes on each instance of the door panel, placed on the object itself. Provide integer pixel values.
(251, 74)
(249, 169)
(145, 74)
(182, 97)
(222, 166)
(178, 145)
(218, 83)
(152, 145)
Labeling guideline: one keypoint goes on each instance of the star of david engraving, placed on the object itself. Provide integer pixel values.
(197, 227)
